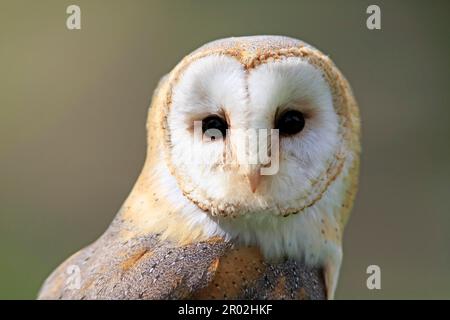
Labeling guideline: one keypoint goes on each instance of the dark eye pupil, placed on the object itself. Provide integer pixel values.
(214, 127)
(290, 122)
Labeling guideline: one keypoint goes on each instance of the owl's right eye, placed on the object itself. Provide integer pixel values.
(214, 127)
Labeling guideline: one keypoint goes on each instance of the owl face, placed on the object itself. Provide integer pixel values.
(217, 108)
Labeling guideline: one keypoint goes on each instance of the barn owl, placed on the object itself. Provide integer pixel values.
(221, 228)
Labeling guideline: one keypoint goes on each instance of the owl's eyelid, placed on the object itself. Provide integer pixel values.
(201, 117)
(301, 105)
(220, 114)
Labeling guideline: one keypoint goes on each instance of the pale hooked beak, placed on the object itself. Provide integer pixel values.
(254, 177)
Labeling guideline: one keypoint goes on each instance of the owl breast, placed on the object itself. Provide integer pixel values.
(150, 268)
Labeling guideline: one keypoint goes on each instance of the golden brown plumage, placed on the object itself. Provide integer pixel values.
(152, 251)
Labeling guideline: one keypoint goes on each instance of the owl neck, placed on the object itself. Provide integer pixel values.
(156, 205)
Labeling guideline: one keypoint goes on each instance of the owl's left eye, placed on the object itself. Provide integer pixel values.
(214, 127)
(290, 122)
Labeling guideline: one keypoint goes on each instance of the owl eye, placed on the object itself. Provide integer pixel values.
(290, 122)
(214, 127)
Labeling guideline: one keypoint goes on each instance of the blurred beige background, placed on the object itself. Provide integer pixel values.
(72, 124)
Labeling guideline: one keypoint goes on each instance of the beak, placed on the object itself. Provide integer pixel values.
(254, 178)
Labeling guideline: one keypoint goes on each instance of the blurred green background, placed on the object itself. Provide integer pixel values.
(72, 124)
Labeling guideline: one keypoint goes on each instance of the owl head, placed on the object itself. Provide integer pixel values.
(250, 125)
